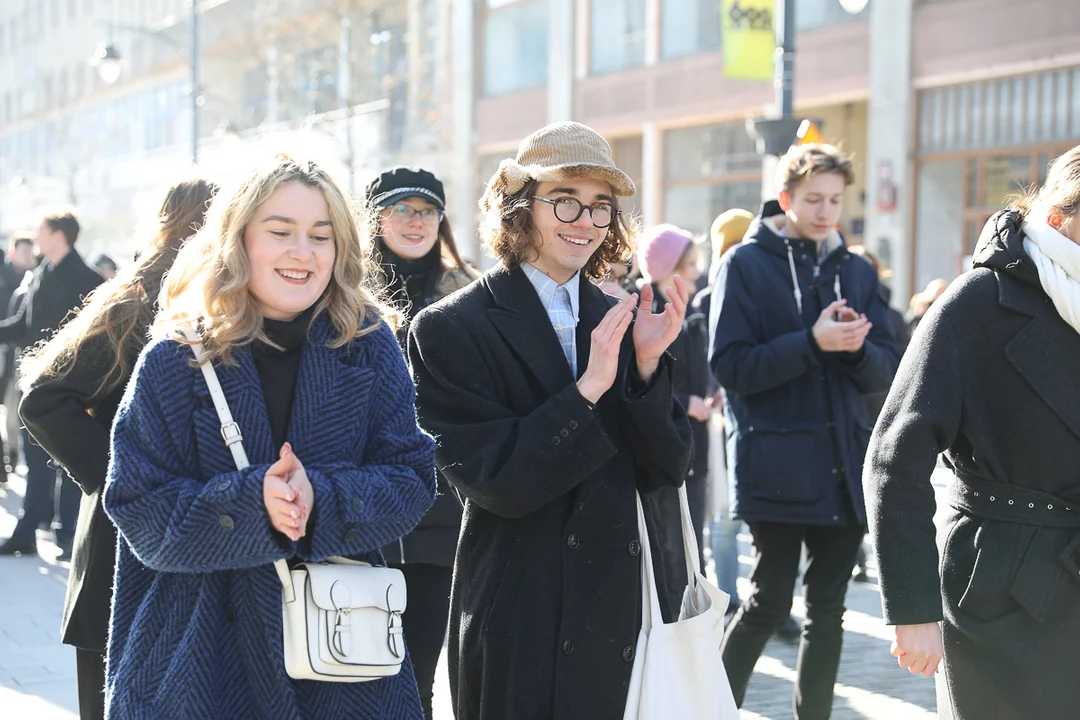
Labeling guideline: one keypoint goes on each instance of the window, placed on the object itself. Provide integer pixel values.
(3, 39)
(516, 47)
(256, 91)
(616, 35)
(708, 170)
(690, 27)
(710, 151)
(628, 156)
(315, 80)
(1024, 110)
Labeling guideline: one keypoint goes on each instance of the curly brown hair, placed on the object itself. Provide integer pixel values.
(510, 233)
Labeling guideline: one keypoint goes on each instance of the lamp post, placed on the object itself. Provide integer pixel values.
(109, 64)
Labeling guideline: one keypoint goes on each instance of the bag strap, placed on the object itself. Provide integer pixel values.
(650, 597)
(650, 608)
(234, 439)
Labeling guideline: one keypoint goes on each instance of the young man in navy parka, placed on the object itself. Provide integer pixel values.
(798, 334)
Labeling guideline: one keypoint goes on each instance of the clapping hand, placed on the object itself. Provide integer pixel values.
(654, 332)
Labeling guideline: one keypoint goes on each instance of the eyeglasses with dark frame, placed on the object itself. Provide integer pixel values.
(568, 210)
(405, 213)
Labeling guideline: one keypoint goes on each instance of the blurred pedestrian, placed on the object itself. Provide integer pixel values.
(794, 359)
(550, 408)
(989, 380)
(14, 274)
(419, 265)
(75, 383)
(106, 266)
(273, 286)
(57, 287)
(726, 232)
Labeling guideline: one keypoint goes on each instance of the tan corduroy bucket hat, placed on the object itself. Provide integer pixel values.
(555, 152)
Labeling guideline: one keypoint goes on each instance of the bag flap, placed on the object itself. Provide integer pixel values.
(338, 586)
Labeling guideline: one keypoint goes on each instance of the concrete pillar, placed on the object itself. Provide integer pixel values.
(418, 45)
(652, 174)
(561, 52)
(462, 201)
(890, 146)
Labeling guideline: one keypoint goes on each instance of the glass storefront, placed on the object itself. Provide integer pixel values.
(979, 144)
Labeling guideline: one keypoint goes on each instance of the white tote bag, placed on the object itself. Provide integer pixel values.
(678, 673)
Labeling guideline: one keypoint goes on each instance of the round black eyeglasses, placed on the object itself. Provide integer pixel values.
(568, 210)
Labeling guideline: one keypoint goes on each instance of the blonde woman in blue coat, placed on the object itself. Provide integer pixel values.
(316, 381)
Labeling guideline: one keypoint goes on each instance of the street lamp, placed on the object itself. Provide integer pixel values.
(109, 64)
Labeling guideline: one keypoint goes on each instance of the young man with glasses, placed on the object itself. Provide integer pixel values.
(551, 406)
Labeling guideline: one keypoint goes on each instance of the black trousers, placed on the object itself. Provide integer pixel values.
(831, 552)
(90, 671)
(40, 504)
(424, 622)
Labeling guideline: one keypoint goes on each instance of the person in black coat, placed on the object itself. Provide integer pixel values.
(13, 274)
(990, 381)
(75, 383)
(58, 286)
(550, 408)
(419, 265)
(799, 334)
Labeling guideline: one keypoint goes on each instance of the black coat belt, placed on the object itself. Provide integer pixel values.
(1035, 578)
(1011, 503)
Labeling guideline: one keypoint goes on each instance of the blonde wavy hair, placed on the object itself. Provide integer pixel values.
(207, 288)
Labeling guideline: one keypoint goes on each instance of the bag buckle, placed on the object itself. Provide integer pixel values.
(230, 432)
(394, 634)
(343, 631)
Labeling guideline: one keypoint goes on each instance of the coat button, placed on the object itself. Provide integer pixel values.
(568, 646)
(230, 613)
(350, 536)
(572, 541)
(223, 485)
(556, 440)
(628, 653)
(357, 505)
(565, 433)
(634, 548)
(573, 425)
(226, 522)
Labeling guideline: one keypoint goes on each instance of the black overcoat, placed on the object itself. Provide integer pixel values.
(546, 596)
(990, 379)
(71, 420)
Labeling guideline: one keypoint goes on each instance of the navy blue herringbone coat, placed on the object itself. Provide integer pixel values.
(796, 426)
(196, 626)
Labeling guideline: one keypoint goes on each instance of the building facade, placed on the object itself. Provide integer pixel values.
(947, 105)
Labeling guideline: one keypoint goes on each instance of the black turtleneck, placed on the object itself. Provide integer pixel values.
(410, 283)
(278, 369)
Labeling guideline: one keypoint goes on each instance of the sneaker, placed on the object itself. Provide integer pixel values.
(64, 556)
(790, 631)
(16, 547)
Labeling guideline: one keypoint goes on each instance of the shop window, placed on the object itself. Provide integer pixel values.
(710, 151)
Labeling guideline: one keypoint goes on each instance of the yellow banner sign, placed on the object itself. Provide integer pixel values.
(748, 39)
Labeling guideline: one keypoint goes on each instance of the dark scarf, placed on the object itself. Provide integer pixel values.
(410, 284)
(279, 369)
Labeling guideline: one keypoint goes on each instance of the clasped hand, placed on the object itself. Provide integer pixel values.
(288, 495)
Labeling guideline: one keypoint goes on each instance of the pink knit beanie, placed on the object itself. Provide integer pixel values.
(660, 251)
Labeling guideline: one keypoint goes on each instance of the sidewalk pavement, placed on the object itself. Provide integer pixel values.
(37, 672)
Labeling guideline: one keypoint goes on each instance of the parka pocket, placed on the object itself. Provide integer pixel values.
(500, 616)
(781, 463)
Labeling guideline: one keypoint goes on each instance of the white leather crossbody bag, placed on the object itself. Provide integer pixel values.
(341, 618)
